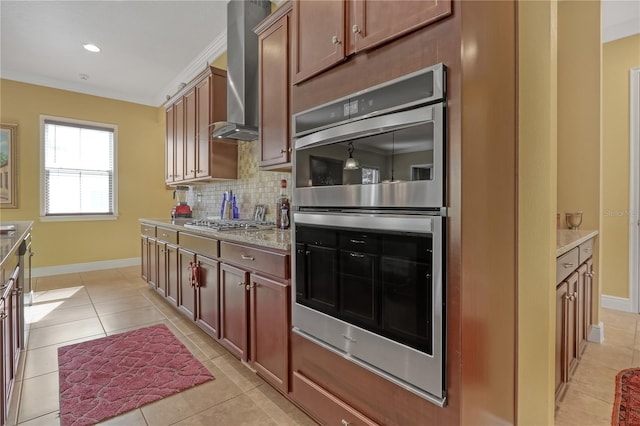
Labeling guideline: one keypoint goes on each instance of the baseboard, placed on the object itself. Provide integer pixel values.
(596, 333)
(84, 267)
(617, 303)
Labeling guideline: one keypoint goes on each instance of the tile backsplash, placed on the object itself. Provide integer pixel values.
(251, 188)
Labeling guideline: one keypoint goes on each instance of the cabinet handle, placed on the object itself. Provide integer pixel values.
(345, 422)
(357, 241)
(567, 265)
(589, 274)
(199, 171)
(32, 254)
(587, 249)
(355, 29)
(241, 283)
(245, 257)
(3, 315)
(164, 234)
(356, 255)
(335, 40)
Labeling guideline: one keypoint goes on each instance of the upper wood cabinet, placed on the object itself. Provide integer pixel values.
(325, 32)
(273, 42)
(191, 153)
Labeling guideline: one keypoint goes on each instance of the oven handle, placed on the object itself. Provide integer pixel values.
(384, 222)
(369, 126)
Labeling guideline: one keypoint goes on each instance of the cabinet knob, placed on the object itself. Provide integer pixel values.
(335, 40)
(241, 283)
(345, 422)
(355, 29)
(247, 287)
(285, 150)
(32, 254)
(3, 315)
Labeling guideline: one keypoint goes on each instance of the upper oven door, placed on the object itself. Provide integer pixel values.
(399, 162)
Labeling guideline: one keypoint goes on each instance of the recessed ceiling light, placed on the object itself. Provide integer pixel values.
(91, 47)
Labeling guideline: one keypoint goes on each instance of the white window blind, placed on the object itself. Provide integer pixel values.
(79, 176)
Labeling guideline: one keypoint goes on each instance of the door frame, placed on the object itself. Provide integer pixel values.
(634, 188)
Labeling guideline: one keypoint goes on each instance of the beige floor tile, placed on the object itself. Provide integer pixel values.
(584, 410)
(237, 372)
(39, 397)
(128, 319)
(124, 304)
(207, 345)
(277, 407)
(185, 404)
(101, 275)
(635, 361)
(620, 336)
(132, 418)
(66, 332)
(45, 359)
(594, 380)
(51, 419)
(240, 410)
(43, 316)
(101, 294)
(624, 320)
(60, 295)
(57, 281)
(611, 356)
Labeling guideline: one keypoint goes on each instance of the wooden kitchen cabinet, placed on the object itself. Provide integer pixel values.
(192, 155)
(269, 324)
(274, 128)
(208, 296)
(325, 32)
(10, 328)
(152, 275)
(172, 274)
(233, 310)
(186, 283)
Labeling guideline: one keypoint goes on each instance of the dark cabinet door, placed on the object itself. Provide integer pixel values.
(572, 323)
(170, 145)
(562, 301)
(172, 274)
(318, 39)
(163, 278)
(274, 90)
(581, 320)
(152, 277)
(190, 143)
(270, 324)
(233, 310)
(144, 257)
(588, 297)
(201, 154)
(207, 312)
(187, 280)
(179, 152)
(376, 22)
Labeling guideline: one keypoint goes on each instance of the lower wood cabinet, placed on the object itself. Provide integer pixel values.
(10, 338)
(234, 283)
(574, 278)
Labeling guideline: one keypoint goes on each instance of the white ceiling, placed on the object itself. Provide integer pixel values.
(148, 47)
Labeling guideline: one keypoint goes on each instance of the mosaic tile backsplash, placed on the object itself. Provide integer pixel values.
(251, 188)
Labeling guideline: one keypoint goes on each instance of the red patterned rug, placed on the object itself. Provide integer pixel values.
(106, 377)
(626, 407)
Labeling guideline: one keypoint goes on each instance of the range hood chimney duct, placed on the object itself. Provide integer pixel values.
(242, 70)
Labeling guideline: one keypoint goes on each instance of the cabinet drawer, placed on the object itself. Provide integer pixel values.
(324, 406)
(168, 235)
(201, 245)
(148, 230)
(586, 250)
(271, 263)
(566, 264)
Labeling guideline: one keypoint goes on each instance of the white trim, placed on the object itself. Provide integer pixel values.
(84, 267)
(634, 189)
(596, 333)
(617, 303)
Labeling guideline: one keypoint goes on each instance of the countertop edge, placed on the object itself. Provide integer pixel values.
(574, 243)
(178, 225)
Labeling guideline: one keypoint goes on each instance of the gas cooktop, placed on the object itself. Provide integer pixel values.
(230, 225)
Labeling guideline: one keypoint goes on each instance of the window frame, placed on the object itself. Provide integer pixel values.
(77, 216)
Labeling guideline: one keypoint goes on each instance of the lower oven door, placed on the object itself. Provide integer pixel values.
(369, 287)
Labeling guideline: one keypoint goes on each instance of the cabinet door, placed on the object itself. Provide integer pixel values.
(152, 277)
(186, 288)
(581, 320)
(190, 142)
(270, 326)
(233, 310)
(562, 301)
(318, 39)
(588, 297)
(208, 309)
(274, 90)
(201, 156)
(179, 153)
(163, 278)
(16, 327)
(170, 160)
(172, 274)
(572, 323)
(376, 22)
(144, 258)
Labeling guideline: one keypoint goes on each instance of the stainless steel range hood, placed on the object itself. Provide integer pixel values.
(242, 70)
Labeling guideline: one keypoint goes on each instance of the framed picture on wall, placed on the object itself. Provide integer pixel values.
(8, 166)
(325, 171)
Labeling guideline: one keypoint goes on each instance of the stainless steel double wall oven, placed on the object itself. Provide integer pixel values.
(369, 219)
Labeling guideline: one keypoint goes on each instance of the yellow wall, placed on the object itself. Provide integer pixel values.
(537, 181)
(618, 57)
(579, 110)
(140, 164)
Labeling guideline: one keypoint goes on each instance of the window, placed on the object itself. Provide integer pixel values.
(78, 169)
(370, 175)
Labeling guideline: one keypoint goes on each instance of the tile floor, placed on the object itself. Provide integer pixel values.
(590, 393)
(78, 307)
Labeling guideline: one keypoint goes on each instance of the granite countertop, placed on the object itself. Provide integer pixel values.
(566, 239)
(10, 241)
(270, 238)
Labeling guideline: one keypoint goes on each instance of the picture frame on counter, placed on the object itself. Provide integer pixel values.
(8, 166)
(259, 212)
